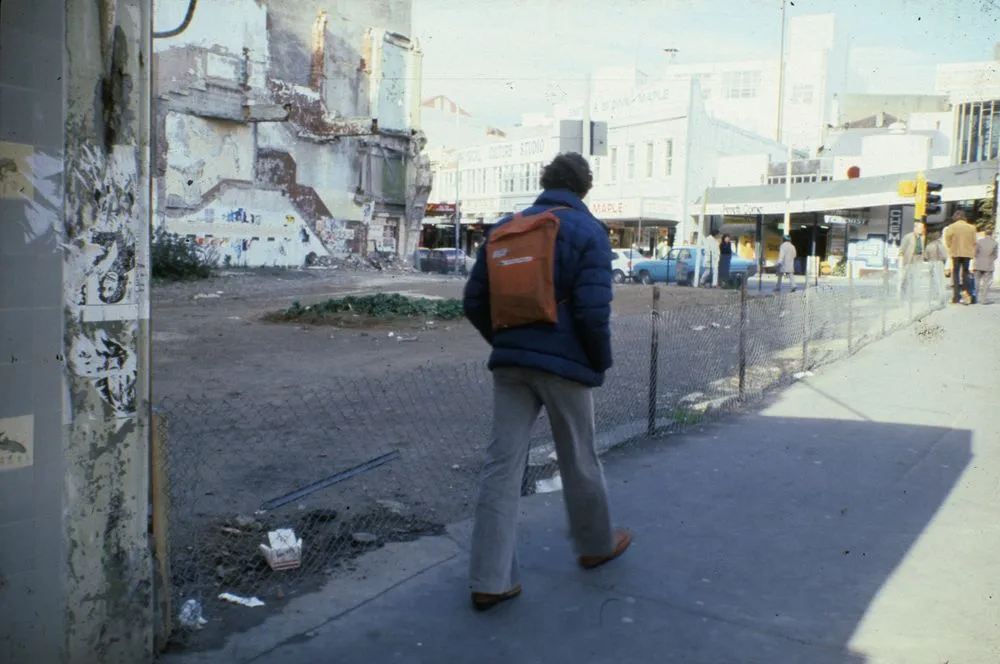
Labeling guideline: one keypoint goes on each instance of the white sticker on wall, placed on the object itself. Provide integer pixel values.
(17, 442)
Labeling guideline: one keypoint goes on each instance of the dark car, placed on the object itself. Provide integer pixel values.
(444, 261)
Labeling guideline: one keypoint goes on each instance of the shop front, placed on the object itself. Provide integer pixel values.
(859, 221)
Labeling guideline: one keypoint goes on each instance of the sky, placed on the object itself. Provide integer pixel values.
(502, 58)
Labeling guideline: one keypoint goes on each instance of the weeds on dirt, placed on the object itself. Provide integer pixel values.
(380, 306)
(174, 258)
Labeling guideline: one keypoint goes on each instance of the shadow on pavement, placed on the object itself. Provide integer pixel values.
(758, 539)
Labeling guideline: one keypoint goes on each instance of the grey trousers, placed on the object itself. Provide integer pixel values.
(518, 397)
(984, 280)
(781, 275)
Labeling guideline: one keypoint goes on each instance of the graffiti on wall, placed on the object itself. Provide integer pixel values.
(241, 216)
(108, 362)
(104, 275)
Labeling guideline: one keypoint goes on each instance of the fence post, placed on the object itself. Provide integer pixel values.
(850, 307)
(806, 331)
(911, 282)
(654, 361)
(743, 335)
(885, 296)
(160, 504)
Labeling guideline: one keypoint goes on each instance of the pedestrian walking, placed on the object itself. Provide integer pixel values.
(725, 258)
(983, 264)
(710, 251)
(936, 256)
(786, 263)
(540, 295)
(911, 257)
(960, 240)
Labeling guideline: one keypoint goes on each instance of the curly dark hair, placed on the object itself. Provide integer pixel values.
(568, 170)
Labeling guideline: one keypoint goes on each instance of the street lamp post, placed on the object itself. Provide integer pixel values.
(783, 65)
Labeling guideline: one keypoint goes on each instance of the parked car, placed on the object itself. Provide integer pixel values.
(622, 261)
(679, 266)
(444, 261)
(420, 258)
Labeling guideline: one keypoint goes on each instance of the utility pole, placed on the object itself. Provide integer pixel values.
(585, 128)
(458, 207)
(787, 229)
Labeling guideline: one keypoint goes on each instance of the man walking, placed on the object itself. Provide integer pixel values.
(786, 262)
(551, 339)
(911, 254)
(711, 252)
(982, 265)
(936, 257)
(960, 239)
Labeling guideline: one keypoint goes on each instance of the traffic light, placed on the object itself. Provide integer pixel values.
(927, 202)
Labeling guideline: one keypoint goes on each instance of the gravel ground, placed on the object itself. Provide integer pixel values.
(255, 410)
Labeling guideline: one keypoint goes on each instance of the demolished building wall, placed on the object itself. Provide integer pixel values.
(319, 106)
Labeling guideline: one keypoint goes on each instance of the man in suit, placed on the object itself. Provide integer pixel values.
(983, 264)
(960, 238)
(911, 256)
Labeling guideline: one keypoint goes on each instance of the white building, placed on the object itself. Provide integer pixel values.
(664, 150)
(973, 88)
(746, 93)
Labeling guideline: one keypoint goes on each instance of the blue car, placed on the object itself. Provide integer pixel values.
(679, 266)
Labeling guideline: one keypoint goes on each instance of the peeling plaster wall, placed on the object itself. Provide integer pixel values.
(225, 27)
(75, 573)
(250, 226)
(203, 152)
(319, 60)
(329, 168)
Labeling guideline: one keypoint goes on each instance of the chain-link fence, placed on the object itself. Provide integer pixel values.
(356, 462)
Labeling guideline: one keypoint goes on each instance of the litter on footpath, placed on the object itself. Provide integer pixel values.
(549, 485)
(190, 616)
(285, 550)
(245, 601)
(802, 374)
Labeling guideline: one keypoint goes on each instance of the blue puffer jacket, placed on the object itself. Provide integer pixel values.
(578, 347)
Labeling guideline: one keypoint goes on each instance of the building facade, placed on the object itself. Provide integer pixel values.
(973, 88)
(746, 94)
(287, 133)
(664, 150)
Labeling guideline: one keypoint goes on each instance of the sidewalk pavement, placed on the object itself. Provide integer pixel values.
(852, 520)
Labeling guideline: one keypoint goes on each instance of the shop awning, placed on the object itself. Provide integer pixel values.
(961, 183)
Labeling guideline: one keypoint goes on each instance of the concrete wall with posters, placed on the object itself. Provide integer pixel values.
(75, 584)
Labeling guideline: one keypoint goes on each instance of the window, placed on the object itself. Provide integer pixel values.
(614, 164)
(802, 94)
(630, 167)
(668, 157)
(482, 180)
(741, 84)
(597, 169)
(649, 159)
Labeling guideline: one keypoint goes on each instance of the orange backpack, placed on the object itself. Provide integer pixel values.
(521, 265)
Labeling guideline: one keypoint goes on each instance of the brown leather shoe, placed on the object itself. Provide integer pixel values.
(484, 601)
(623, 538)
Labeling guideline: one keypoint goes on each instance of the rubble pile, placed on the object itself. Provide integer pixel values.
(373, 262)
